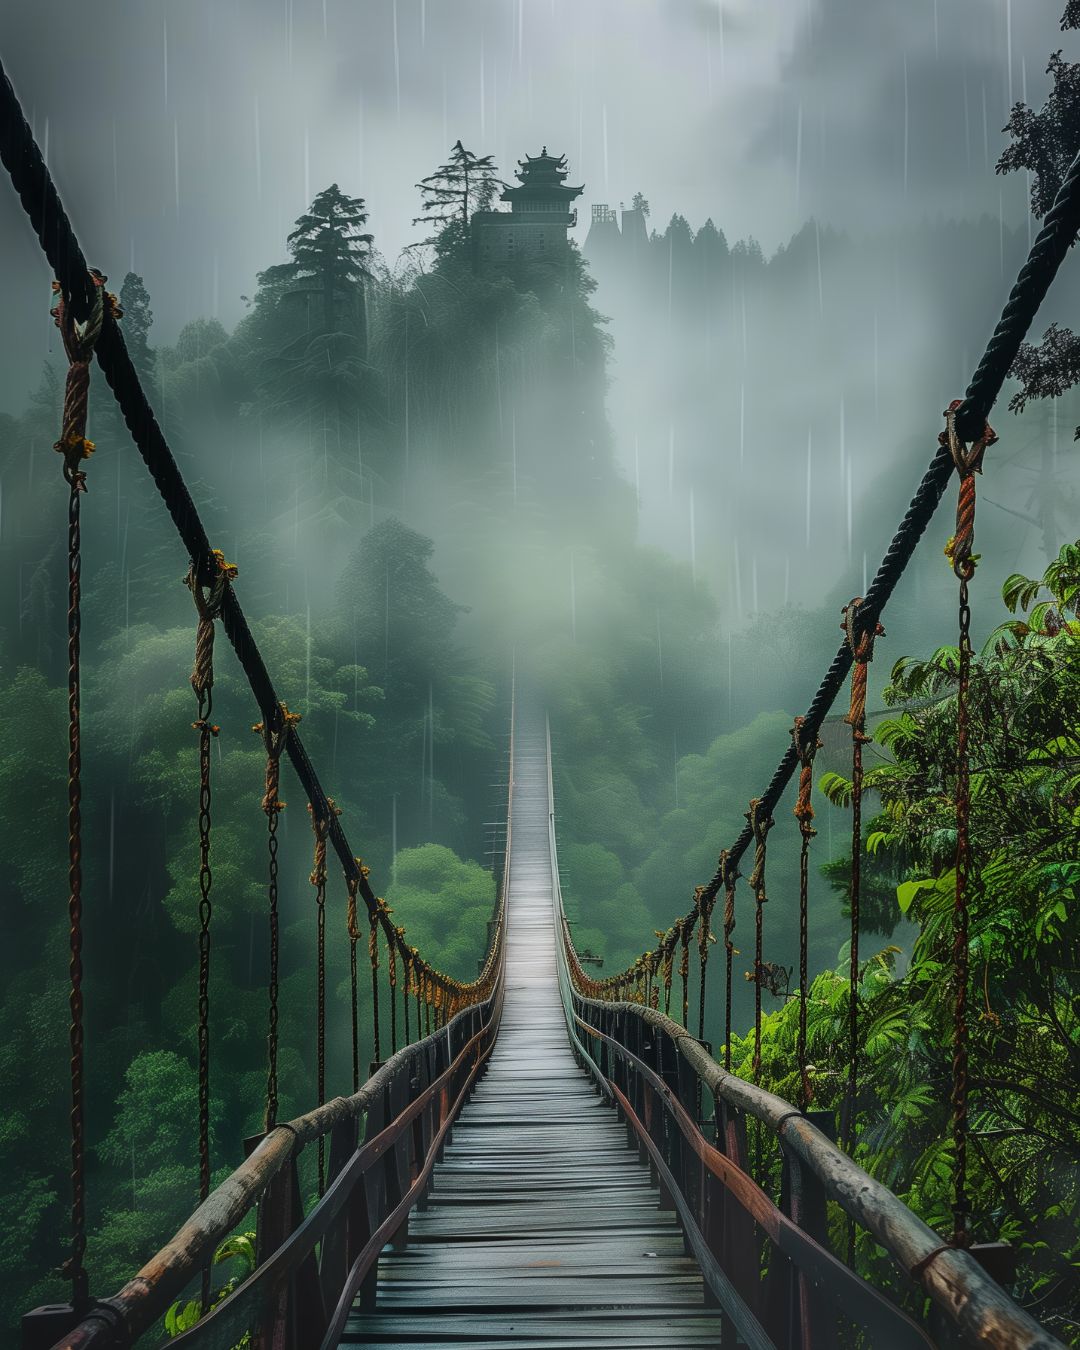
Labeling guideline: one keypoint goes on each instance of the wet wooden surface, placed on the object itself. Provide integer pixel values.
(541, 1227)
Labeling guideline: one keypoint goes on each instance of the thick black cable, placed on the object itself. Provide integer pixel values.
(36, 190)
(1032, 283)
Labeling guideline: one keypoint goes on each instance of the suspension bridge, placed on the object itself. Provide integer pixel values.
(537, 1157)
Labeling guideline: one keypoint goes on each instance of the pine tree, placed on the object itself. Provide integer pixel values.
(138, 318)
(329, 248)
(464, 184)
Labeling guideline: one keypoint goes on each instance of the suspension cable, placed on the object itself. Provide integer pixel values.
(968, 462)
(860, 640)
(320, 826)
(354, 937)
(208, 604)
(804, 813)
(79, 340)
(273, 738)
(373, 960)
(704, 907)
(731, 874)
(391, 977)
(761, 825)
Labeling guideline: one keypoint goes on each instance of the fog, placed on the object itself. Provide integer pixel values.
(645, 474)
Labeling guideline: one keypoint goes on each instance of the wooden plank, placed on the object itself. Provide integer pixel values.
(541, 1227)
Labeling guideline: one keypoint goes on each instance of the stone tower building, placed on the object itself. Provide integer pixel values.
(540, 214)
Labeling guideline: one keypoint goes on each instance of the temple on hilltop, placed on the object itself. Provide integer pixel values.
(540, 214)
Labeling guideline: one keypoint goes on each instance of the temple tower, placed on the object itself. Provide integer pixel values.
(540, 214)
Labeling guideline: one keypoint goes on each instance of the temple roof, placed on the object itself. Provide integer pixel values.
(542, 175)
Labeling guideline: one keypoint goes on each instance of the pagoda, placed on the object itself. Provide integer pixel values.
(540, 214)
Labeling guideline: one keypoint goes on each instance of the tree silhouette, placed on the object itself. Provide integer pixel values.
(330, 249)
(1043, 144)
(464, 184)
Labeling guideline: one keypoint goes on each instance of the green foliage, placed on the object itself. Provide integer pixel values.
(447, 902)
(1024, 949)
(239, 1251)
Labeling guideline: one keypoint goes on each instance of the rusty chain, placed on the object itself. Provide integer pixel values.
(79, 341)
(959, 550)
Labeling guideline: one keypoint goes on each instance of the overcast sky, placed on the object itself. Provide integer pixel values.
(186, 135)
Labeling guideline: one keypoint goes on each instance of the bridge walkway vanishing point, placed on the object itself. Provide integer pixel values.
(541, 1227)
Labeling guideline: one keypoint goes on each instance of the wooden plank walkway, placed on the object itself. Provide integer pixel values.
(541, 1227)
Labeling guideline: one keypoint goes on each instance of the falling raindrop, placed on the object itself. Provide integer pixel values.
(755, 607)
(986, 131)
(258, 153)
(787, 578)
(393, 840)
(738, 579)
(742, 422)
(483, 99)
(865, 574)
(573, 598)
(675, 761)
(820, 286)
(798, 159)
(1001, 233)
(730, 674)
(1009, 50)
(607, 180)
(112, 844)
(906, 126)
(843, 440)
(637, 470)
(307, 656)
(397, 67)
(809, 470)
(849, 510)
(165, 57)
(967, 123)
(176, 164)
(307, 166)
(513, 448)
(671, 462)
(115, 167)
(659, 651)
(693, 540)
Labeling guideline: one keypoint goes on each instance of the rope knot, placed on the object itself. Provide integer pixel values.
(351, 885)
(760, 827)
(209, 601)
(860, 640)
(806, 750)
(274, 739)
(79, 339)
(320, 823)
(968, 461)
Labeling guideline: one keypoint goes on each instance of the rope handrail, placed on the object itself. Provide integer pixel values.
(1048, 251)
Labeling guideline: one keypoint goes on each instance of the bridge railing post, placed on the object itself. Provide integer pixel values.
(335, 1257)
(740, 1243)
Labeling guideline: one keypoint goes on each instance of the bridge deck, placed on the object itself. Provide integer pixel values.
(542, 1228)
